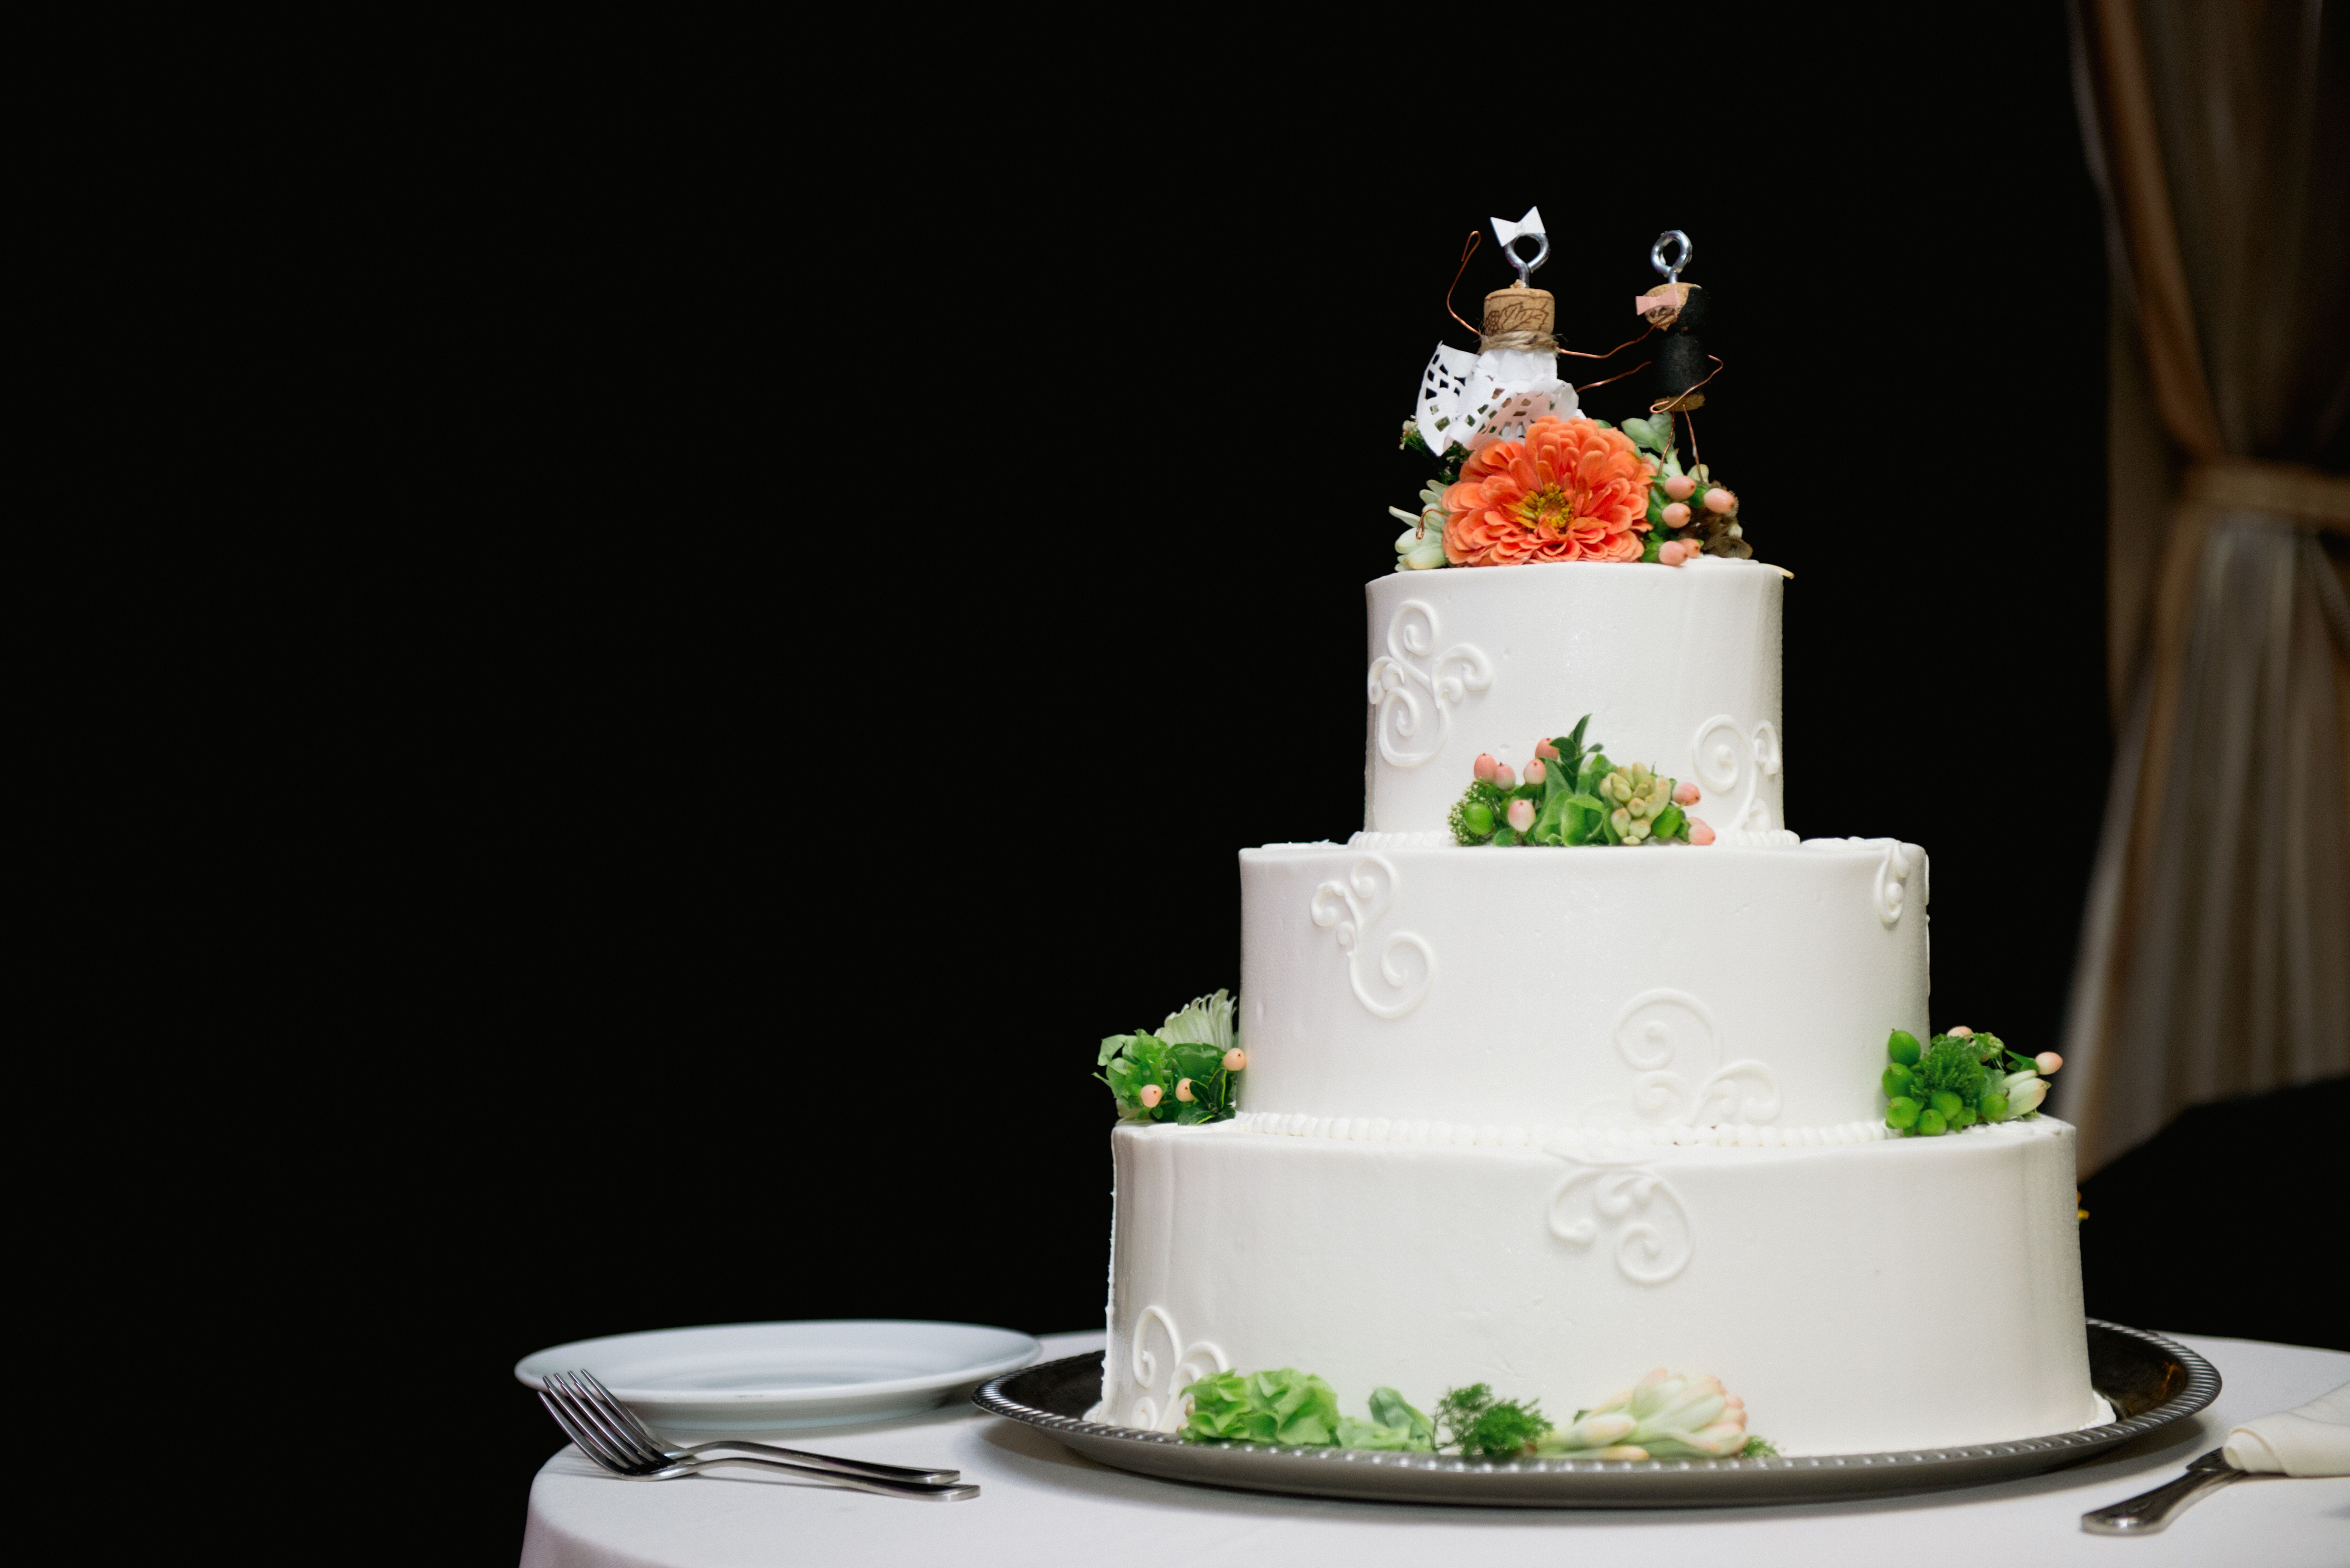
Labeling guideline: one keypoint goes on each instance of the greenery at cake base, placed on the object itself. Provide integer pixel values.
(1662, 1416)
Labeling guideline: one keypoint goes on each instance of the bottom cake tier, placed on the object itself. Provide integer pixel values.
(1860, 1297)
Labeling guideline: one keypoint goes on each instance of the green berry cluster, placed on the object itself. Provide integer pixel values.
(1961, 1078)
(1581, 798)
(1187, 1071)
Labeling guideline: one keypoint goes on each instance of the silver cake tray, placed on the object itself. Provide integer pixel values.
(2149, 1381)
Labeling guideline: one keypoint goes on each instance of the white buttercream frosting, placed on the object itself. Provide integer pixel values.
(1678, 667)
(1805, 1278)
(1627, 987)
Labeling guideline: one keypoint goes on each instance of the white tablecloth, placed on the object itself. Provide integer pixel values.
(1044, 1504)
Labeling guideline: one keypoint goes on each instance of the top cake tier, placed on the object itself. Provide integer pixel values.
(1678, 667)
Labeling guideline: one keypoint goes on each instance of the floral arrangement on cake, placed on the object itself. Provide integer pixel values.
(1662, 1416)
(1575, 489)
(1187, 1071)
(1959, 1079)
(1570, 794)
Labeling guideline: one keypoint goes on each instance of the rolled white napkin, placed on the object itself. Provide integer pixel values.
(2313, 1441)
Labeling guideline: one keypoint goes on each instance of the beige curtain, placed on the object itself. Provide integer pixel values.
(2215, 956)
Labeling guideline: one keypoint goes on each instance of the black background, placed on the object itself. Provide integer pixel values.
(909, 600)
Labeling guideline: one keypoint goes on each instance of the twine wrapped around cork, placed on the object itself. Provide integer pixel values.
(1521, 318)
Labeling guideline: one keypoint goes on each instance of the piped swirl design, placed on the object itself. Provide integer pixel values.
(1396, 684)
(1353, 905)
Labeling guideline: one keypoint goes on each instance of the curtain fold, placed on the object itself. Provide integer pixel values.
(2215, 950)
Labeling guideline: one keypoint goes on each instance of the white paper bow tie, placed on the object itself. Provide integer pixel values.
(1532, 223)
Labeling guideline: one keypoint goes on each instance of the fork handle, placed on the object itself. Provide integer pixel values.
(826, 1461)
(2150, 1511)
(833, 1478)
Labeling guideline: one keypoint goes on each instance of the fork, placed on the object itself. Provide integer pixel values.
(618, 1450)
(581, 1388)
(2153, 1511)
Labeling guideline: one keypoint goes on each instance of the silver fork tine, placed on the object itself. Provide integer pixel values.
(639, 1455)
(599, 1448)
(596, 1393)
(586, 1443)
(582, 1385)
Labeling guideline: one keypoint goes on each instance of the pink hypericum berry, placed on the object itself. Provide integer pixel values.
(1236, 1059)
(1677, 516)
(1150, 1096)
(1503, 778)
(1685, 795)
(1534, 771)
(1720, 500)
(1674, 554)
(1699, 832)
(1184, 1090)
(1545, 748)
(2047, 1062)
(1486, 767)
(1679, 486)
(1521, 814)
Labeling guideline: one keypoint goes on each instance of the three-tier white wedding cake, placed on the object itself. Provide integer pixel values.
(1546, 1118)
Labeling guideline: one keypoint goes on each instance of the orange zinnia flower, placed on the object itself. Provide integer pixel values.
(1569, 492)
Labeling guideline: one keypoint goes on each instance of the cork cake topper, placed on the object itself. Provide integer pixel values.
(1521, 317)
(1467, 399)
(1677, 310)
(1522, 476)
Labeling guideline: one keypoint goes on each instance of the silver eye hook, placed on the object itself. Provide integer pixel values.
(1672, 273)
(1524, 266)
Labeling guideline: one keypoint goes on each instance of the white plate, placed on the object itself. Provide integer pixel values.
(740, 1379)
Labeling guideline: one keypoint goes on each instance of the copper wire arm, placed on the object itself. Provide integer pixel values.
(1466, 251)
(1658, 406)
(1619, 375)
(1612, 352)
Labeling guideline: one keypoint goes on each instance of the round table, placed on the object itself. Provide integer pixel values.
(1043, 1504)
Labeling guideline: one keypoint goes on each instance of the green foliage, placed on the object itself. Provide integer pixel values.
(1670, 1417)
(1283, 1406)
(1191, 1045)
(1483, 1427)
(1299, 1409)
(1358, 1434)
(1759, 1448)
(1654, 435)
(1389, 1409)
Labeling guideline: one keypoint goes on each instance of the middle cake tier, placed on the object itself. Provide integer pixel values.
(1496, 992)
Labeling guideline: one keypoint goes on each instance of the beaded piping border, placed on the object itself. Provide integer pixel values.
(2203, 1387)
(1726, 1135)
